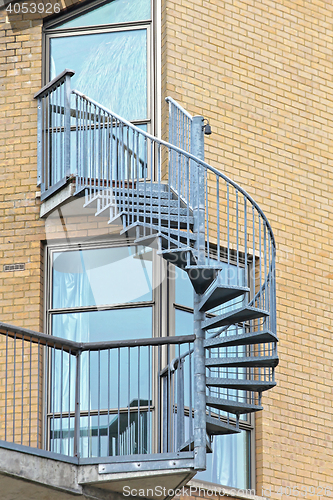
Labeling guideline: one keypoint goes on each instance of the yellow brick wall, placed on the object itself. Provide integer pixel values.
(261, 72)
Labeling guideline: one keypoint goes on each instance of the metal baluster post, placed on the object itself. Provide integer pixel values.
(67, 123)
(199, 350)
(77, 406)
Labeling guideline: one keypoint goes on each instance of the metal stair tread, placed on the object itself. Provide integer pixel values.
(131, 198)
(245, 313)
(218, 294)
(248, 338)
(246, 385)
(215, 426)
(178, 256)
(239, 361)
(228, 405)
(201, 276)
(168, 231)
(165, 210)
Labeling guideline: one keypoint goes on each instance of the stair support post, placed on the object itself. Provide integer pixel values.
(198, 176)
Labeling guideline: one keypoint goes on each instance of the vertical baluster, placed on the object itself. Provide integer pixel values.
(159, 416)
(237, 237)
(90, 451)
(207, 220)
(218, 219)
(69, 400)
(129, 451)
(99, 402)
(228, 230)
(245, 242)
(254, 261)
(190, 392)
(149, 448)
(40, 131)
(78, 144)
(45, 155)
(67, 126)
(77, 422)
(53, 395)
(139, 433)
(109, 403)
(30, 367)
(6, 385)
(118, 412)
(14, 386)
(38, 389)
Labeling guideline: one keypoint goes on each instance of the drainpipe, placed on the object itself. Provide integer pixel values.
(197, 149)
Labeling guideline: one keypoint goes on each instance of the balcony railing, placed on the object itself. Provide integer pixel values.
(97, 400)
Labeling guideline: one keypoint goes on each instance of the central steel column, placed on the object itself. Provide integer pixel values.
(197, 149)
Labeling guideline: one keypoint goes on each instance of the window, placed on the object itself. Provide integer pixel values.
(110, 49)
(100, 294)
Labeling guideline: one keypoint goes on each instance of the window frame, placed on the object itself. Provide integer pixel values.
(155, 304)
(153, 81)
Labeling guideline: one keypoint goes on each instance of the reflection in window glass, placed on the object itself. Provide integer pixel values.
(228, 465)
(99, 326)
(101, 276)
(183, 286)
(184, 323)
(108, 66)
(117, 11)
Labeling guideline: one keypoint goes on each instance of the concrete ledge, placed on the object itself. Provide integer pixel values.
(32, 477)
(57, 199)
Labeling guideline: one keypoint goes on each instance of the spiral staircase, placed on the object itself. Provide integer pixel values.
(166, 196)
(235, 321)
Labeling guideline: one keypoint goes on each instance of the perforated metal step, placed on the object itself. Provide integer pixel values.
(246, 361)
(248, 338)
(231, 406)
(218, 294)
(244, 385)
(216, 427)
(235, 316)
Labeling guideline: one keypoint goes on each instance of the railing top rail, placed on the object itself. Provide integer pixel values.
(75, 347)
(39, 338)
(178, 106)
(184, 153)
(54, 83)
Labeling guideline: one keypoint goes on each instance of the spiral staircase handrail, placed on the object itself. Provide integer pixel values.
(189, 156)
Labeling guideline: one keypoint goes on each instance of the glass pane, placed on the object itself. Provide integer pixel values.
(101, 276)
(184, 323)
(99, 326)
(229, 464)
(183, 286)
(118, 11)
(110, 68)
(99, 434)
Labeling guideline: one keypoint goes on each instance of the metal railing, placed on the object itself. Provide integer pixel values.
(107, 399)
(122, 167)
(160, 188)
(54, 125)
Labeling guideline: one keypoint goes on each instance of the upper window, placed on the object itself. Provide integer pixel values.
(110, 49)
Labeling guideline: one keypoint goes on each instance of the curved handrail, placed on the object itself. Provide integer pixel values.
(189, 156)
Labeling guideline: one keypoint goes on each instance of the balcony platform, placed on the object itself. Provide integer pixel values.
(35, 475)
